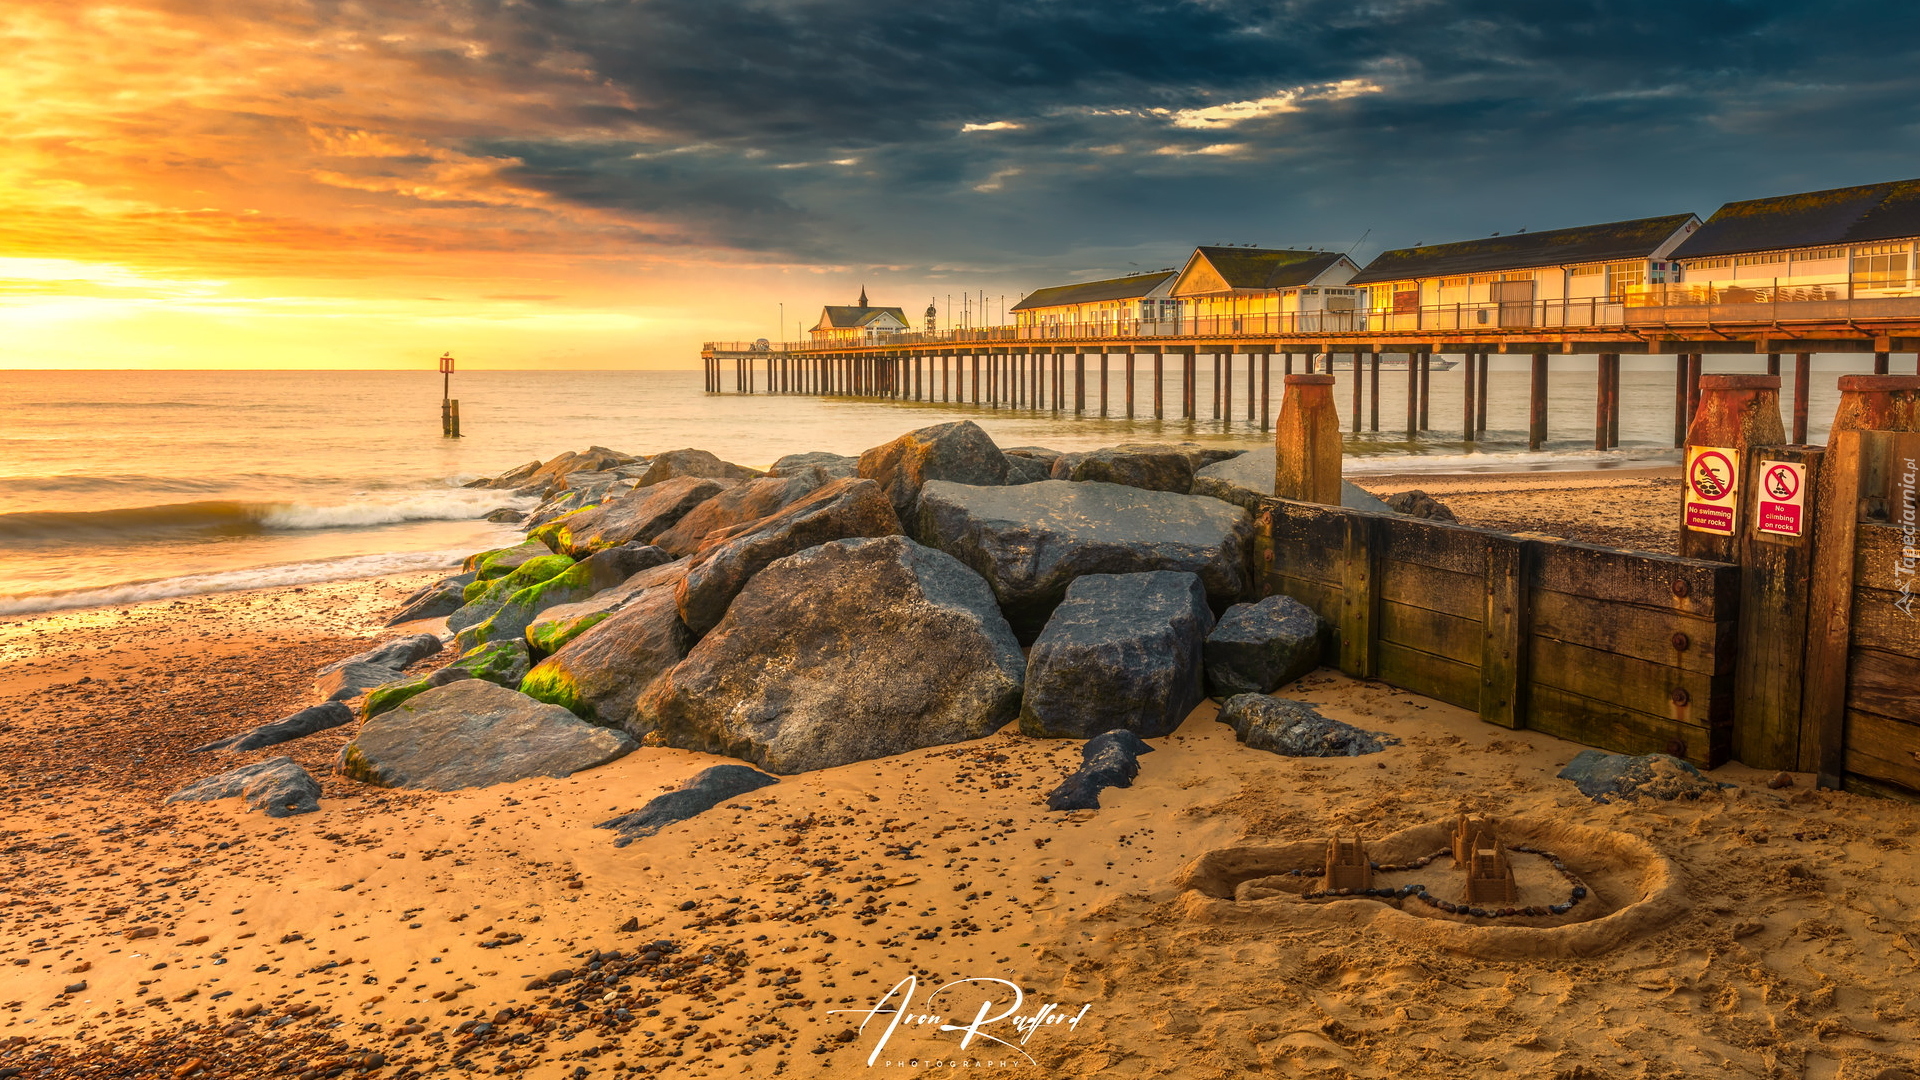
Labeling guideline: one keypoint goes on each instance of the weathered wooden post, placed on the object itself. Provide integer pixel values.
(1307, 442)
(1358, 356)
(1736, 412)
(1466, 396)
(1776, 555)
(1480, 399)
(1537, 404)
(449, 408)
(1373, 390)
(1159, 383)
(1878, 403)
(1426, 382)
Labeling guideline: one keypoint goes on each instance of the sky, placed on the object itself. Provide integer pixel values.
(608, 183)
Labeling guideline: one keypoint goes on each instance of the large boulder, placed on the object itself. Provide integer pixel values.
(840, 510)
(1026, 470)
(816, 461)
(1122, 652)
(742, 505)
(848, 651)
(499, 562)
(486, 597)
(550, 630)
(598, 674)
(639, 515)
(277, 788)
(1246, 479)
(1296, 729)
(691, 463)
(327, 714)
(361, 672)
(1031, 541)
(1141, 465)
(473, 733)
(1257, 647)
(601, 571)
(960, 452)
(715, 785)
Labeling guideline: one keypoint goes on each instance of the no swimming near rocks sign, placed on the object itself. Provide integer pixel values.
(1712, 489)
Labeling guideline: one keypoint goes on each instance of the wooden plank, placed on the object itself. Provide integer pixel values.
(1632, 630)
(1359, 598)
(1830, 608)
(1462, 595)
(1426, 673)
(1769, 676)
(1693, 586)
(1880, 623)
(1624, 731)
(1435, 632)
(1881, 748)
(1880, 682)
(1459, 548)
(1641, 685)
(1504, 632)
(1307, 539)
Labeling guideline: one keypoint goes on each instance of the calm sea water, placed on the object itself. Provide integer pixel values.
(118, 486)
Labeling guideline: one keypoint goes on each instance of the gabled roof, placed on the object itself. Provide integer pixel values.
(853, 318)
(1131, 287)
(1259, 268)
(1618, 240)
(1889, 211)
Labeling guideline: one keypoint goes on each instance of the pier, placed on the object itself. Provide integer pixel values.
(1100, 370)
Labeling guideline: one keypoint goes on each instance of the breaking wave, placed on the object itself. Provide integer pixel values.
(258, 577)
(226, 517)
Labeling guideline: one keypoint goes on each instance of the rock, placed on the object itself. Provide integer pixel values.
(1026, 470)
(1122, 651)
(515, 478)
(598, 674)
(505, 515)
(1245, 479)
(498, 563)
(598, 572)
(1780, 780)
(549, 477)
(712, 787)
(1258, 647)
(443, 597)
(639, 515)
(327, 714)
(841, 510)
(1296, 729)
(384, 697)
(361, 672)
(1109, 760)
(960, 452)
(473, 733)
(1417, 503)
(833, 465)
(486, 597)
(553, 628)
(277, 788)
(1031, 541)
(692, 464)
(1062, 467)
(1041, 454)
(1155, 468)
(731, 509)
(1604, 777)
(848, 651)
(504, 662)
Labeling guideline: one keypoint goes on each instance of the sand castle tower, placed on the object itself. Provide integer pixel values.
(1489, 874)
(1465, 829)
(1347, 864)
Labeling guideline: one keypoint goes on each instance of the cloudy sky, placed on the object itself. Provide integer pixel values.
(594, 183)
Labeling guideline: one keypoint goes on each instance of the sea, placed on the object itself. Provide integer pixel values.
(123, 486)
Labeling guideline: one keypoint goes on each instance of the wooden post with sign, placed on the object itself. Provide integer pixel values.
(1735, 412)
(449, 408)
(1776, 565)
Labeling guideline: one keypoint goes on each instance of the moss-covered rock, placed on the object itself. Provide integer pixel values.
(493, 595)
(381, 698)
(603, 570)
(500, 562)
(549, 636)
(553, 534)
(501, 662)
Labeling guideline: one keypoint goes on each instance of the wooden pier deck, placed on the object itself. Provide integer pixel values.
(1073, 369)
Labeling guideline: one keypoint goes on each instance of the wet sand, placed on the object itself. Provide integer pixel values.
(379, 931)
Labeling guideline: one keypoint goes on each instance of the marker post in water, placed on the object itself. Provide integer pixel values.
(449, 408)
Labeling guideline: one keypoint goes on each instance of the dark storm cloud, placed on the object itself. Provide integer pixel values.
(832, 130)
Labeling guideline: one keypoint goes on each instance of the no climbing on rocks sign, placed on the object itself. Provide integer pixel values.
(1712, 479)
(1783, 498)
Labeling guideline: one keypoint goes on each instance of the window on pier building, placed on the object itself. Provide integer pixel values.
(1881, 266)
(1624, 276)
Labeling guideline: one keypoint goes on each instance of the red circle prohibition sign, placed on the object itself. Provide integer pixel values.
(1782, 482)
(1709, 481)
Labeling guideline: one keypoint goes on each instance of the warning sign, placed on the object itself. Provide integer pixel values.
(1712, 475)
(1783, 498)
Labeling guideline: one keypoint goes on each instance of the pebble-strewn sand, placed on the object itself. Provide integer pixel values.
(380, 929)
(1636, 509)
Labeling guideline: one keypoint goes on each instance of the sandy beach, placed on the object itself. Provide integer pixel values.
(407, 933)
(1631, 509)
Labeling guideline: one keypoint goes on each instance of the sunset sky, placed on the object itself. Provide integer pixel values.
(571, 183)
